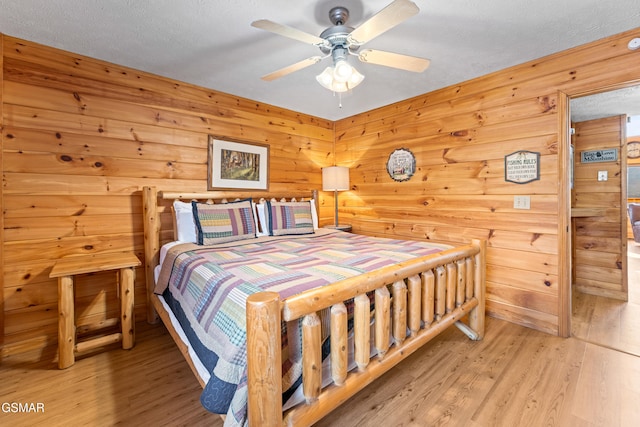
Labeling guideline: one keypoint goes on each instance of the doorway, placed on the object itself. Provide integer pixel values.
(610, 320)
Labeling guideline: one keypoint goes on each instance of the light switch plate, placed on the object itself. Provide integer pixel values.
(603, 176)
(522, 202)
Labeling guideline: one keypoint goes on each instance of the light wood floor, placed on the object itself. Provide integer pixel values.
(514, 377)
(609, 322)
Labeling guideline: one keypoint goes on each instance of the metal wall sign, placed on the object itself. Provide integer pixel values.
(522, 167)
(401, 164)
(596, 156)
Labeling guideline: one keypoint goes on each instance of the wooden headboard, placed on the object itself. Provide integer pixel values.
(159, 222)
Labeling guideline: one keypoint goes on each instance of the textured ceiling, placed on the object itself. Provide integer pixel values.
(607, 104)
(212, 44)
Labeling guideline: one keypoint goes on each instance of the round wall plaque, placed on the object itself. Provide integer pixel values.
(401, 164)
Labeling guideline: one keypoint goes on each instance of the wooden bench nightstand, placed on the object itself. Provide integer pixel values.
(68, 267)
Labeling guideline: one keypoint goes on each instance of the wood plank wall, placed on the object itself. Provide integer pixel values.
(600, 241)
(1, 199)
(460, 135)
(81, 137)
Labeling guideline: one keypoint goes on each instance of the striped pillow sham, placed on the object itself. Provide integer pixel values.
(289, 218)
(223, 222)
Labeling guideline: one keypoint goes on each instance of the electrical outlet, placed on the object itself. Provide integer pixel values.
(603, 176)
(522, 202)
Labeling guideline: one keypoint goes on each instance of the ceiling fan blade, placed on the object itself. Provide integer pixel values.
(384, 20)
(395, 60)
(292, 33)
(291, 68)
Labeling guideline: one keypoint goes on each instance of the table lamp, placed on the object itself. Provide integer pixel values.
(335, 178)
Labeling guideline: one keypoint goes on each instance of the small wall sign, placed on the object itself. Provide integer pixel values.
(401, 165)
(522, 167)
(597, 156)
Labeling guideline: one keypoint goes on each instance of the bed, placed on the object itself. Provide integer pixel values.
(309, 342)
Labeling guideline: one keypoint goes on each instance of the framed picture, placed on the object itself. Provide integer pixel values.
(237, 165)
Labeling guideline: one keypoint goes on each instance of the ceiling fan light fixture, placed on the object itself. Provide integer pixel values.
(355, 79)
(340, 78)
(326, 77)
(342, 71)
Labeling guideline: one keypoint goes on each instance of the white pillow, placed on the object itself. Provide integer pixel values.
(185, 226)
(259, 217)
(314, 214)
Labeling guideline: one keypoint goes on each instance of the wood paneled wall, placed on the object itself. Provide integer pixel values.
(460, 135)
(1, 198)
(81, 137)
(600, 244)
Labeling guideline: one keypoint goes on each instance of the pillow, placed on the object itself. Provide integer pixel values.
(289, 218)
(314, 214)
(262, 218)
(184, 224)
(223, 222)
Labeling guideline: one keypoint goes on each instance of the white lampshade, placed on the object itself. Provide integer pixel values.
(335, 178)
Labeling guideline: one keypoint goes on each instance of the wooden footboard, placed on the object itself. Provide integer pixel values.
(414, 301)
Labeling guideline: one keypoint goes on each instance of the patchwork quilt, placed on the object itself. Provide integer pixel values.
(207, 287)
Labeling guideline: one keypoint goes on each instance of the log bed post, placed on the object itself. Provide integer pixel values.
(264, 359)
(476, 315)
(151, 245)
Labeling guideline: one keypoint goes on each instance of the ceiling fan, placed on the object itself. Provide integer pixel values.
(341, 41)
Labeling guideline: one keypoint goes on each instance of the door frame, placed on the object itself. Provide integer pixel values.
(564, 200)
(564, 216)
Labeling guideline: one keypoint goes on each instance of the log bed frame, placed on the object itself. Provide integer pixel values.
(424, 296)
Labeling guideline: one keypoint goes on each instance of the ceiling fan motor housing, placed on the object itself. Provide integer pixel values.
(337, 36)
(339, 33)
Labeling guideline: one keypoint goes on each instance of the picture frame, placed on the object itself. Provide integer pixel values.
(237, 165)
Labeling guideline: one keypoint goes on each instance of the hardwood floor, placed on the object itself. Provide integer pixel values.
(515, 376)
(609, 322)
(150, 384)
